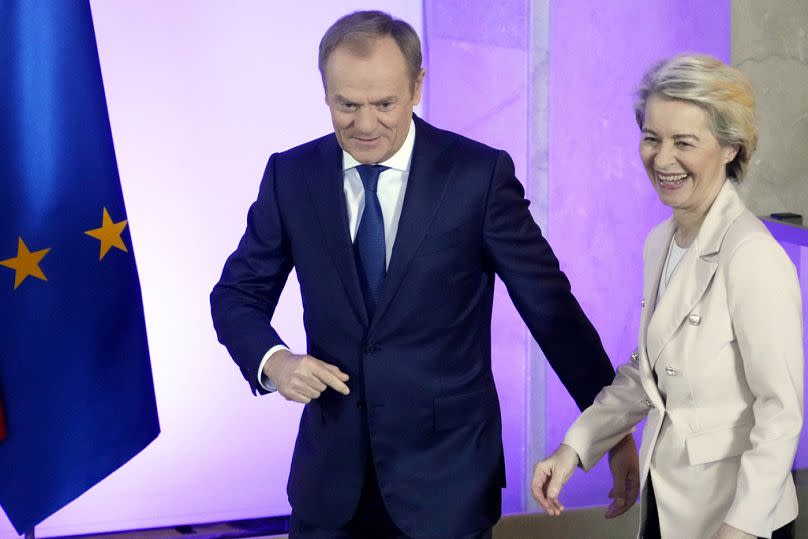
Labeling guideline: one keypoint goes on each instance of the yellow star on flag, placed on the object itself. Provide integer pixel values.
(109, 233)
(25, 263)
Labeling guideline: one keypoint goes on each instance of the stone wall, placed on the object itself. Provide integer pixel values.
(770, 44)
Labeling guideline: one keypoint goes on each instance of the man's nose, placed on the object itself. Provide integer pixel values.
(365, 120)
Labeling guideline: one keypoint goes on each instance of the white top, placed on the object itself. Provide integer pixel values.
(675, 255)
(390, 191)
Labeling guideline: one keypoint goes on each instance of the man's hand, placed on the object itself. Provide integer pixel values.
(624, 463)
(302, 378)
(550, 475)
(729, 532)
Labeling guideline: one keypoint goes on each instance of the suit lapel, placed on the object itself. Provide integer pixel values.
(654, 261)
(694, 274)
(325, 185)
(426, 186)
(686, 287)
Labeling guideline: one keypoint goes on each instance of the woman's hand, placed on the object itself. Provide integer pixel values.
(729, 532)
(550, 475)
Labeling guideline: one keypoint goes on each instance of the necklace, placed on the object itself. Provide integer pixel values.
(675, 255)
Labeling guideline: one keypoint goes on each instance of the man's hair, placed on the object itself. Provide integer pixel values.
(724, 92)
(358, 29)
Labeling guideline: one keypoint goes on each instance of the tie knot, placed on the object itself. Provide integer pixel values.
(370, 175)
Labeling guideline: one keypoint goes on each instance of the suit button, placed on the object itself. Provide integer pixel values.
(694, 319)
(635, 358)
(670, 371)
(371, 349)
(648, 403)
(643, 302)
(360, 404)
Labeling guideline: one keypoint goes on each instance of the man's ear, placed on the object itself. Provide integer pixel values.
(418, 86)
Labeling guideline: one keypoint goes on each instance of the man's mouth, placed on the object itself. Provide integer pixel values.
(366, 140)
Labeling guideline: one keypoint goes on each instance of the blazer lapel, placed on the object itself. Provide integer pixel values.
(694, 274)
(325, 185)
(686, 287)
(654, 260)
(426, 187)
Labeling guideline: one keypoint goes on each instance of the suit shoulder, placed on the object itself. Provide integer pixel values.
(749, 243)
(305, 150)
(746, 227)
(659, 232)
(461, 145)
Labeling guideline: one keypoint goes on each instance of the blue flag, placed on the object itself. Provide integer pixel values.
(75, 379)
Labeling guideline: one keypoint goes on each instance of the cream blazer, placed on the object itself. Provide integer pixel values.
(719, 375)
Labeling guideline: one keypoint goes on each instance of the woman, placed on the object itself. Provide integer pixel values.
(719, 367)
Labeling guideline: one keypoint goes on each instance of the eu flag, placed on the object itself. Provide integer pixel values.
(75, 379)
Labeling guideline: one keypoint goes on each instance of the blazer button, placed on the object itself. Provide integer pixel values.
(371, 349)
(648, 403)
(694, 319)
(635, 357)
(643, 302)
(360, 404)
(670, 371)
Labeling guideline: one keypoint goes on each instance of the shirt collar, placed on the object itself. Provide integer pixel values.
(398, 161)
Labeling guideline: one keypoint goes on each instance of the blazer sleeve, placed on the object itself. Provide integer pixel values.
(539, 289)
(765, 308)
(244, 299)
(616, 411)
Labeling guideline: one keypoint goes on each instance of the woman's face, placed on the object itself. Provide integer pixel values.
(682, 157)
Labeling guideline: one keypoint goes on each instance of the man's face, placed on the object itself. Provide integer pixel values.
(371, 97)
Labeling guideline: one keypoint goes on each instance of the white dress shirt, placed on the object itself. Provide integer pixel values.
(390, 190)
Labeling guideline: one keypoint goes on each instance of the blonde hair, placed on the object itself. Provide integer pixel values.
(724, 92)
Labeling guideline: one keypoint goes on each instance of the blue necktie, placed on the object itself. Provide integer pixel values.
(369, 243)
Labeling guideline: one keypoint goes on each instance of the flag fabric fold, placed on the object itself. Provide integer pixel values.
(76, 388)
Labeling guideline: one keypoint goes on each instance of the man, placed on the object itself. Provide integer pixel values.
(396, 230)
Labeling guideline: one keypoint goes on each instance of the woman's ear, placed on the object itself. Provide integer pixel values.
(730, 152)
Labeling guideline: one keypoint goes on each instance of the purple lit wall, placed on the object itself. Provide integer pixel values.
(476, 85)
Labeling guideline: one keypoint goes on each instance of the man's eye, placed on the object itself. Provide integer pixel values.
(349, 106)
(649, 139)
(683, 144)
(385, 106)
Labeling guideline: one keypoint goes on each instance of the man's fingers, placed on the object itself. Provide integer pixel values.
(619, 487)
(617, 508)
(338, 373)
(330, 378)
(294, 396)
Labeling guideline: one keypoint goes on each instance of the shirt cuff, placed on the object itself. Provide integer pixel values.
(264, 380)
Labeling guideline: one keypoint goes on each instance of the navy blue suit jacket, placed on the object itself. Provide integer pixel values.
(422, 399)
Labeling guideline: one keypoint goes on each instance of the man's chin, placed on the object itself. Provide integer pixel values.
(368, 157)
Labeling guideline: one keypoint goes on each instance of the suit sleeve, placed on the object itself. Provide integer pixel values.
(244, 299)
(539, 289)
(615, 412)
(766, 311)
